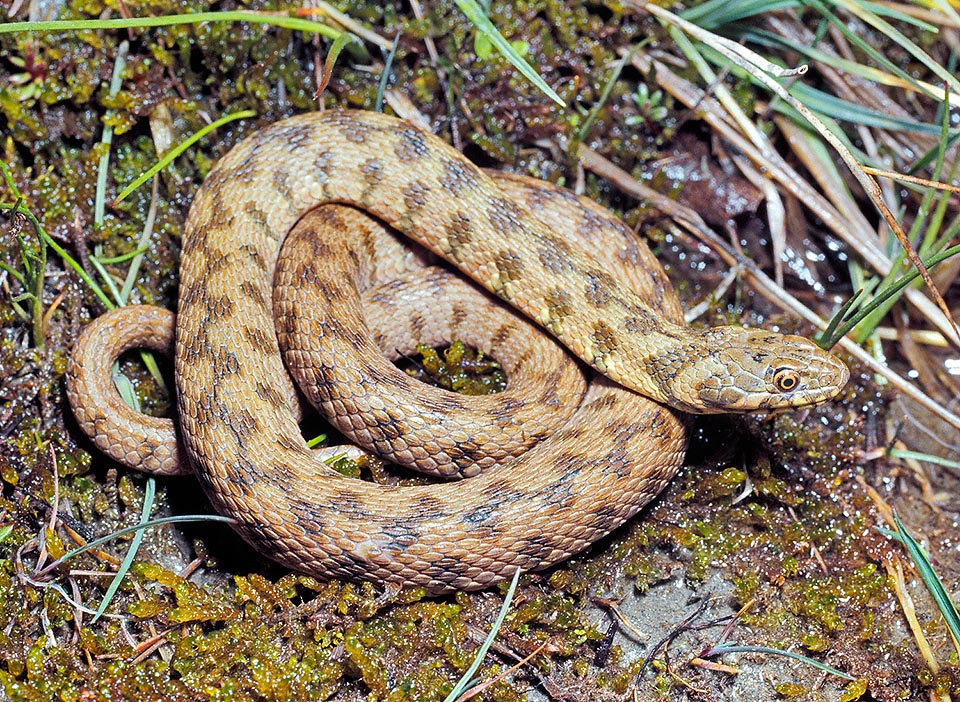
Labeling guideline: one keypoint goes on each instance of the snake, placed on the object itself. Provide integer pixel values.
(262, 262)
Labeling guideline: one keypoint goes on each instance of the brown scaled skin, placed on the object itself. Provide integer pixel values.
(534, 246)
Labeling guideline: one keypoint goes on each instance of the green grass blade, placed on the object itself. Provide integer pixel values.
(929, 576)
(107, 140)
(10, 270)
(777, 43)
(122, 258)
(107, 280)
(179, 149)
(925, 457)
(827, 105)
(149, 495)
(143, 245)
(78, 269)
(283, 21)
(385, 76)
(475, 14)
(587, 125)
(892, 12)
(846, 111)
(46, 238)
(482, 652)
(137, 527)
(717, 13)
(736, 648)
(881, 60)
(887, 293)
(863, 10)
(829, 334)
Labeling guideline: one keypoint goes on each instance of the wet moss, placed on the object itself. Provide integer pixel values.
(459, 368)
(758, 513)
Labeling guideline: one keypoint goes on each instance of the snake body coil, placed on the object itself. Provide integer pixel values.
(237, 410)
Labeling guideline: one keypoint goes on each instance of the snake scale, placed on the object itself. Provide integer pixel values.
(559, 260)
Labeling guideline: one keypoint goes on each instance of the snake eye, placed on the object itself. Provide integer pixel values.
(786, 379)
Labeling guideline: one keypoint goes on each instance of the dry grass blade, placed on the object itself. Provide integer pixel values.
(883, 173)
(347, 23)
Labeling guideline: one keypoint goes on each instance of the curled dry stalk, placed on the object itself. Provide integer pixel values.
(839, 214)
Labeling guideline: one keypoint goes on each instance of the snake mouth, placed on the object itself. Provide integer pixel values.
(747, 403)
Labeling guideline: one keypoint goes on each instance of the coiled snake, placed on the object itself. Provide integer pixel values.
(561, 261)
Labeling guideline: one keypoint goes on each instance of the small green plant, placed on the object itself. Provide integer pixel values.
(28, 83)
(33, 259)
(650, 105)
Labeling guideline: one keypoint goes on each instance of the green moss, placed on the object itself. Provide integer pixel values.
(758, 519)
(461, 369)
(791, 689)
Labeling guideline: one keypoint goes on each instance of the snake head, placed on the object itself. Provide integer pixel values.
(744, 370)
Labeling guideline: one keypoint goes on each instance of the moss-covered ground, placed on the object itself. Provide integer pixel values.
(777, 507)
